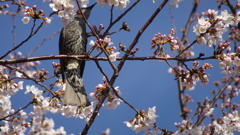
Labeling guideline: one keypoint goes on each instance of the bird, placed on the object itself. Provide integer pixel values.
(72, 41)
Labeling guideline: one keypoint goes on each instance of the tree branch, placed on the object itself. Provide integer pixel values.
(88, 58)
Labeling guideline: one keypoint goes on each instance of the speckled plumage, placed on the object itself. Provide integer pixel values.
(72, 41)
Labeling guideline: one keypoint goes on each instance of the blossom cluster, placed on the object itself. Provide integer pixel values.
(8, 87)
(66, 9)
(15, 125)
(26, 68)
(145, 120)
(32, 12)
(5, 7)
(2, 7)
(14, 121)
(174, 2)
(41, 106)
(226, 125)
(45, 126)
(160, 39)
(230, 62)
(200, 130)
(113, 100)
(117, 3)
(105, 43)
(47, 104)
(190, 77)
(210, 26)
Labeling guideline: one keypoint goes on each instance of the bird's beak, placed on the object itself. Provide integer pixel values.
(92, 5)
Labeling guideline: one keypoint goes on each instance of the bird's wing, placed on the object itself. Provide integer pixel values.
(61, 51)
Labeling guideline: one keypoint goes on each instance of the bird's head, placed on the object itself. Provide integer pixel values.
(86, 11)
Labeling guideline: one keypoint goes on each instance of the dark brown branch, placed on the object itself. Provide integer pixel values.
(99, 105)
(111, 15)
(88, 58)
(114, 76)
(231, 7)
(94, 115)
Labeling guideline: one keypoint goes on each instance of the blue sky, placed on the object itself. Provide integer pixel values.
(143, 84)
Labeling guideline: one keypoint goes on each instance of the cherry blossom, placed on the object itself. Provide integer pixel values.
(25, 20)
(227, 124)
(113, 56)
(106, 132)
(144, 121)
(117, 3)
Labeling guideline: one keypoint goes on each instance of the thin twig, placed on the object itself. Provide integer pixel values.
(111, 15)
(120, 17)
(32, 33)
(43, 41)
(189, 46)
(4, 118)
(115, 92)
(29, 36)
(100, 69)
(14, 31)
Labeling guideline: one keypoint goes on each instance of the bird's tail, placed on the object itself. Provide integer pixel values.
(75, 93)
